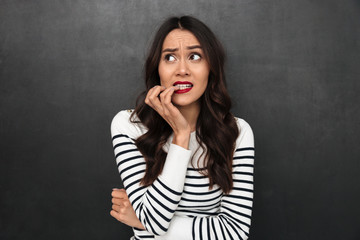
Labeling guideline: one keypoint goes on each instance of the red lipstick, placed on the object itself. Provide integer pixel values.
(184, 86)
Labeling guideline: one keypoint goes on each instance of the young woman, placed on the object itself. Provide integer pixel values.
(185, 161)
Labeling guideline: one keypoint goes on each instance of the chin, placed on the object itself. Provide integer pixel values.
(180, 103)
(183, 102)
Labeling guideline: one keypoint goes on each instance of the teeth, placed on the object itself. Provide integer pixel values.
(183, 86)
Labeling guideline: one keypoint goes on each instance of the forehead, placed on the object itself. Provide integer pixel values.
(178, 37)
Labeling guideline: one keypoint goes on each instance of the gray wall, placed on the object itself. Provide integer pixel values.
(67, 67)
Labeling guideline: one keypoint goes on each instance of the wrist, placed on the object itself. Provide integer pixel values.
(182, 139)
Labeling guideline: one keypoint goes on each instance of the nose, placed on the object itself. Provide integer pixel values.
(183, 68)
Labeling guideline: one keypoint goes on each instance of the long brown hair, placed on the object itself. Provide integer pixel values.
(216, 128)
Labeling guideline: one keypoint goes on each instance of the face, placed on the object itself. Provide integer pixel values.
(183, 64)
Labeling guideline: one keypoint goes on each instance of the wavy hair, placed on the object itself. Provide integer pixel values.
(216, 128)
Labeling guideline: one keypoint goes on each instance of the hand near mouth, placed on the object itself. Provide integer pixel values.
(159, 98)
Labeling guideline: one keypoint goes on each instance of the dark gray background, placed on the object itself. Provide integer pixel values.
(67, 67)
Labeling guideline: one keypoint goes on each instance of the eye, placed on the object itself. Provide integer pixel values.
(195, 57)
(169, 57)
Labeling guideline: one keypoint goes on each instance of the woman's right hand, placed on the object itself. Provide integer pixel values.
(159, 98)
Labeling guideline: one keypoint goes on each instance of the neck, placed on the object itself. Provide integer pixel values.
(191, 114)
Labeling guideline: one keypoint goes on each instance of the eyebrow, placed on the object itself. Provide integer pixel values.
(176, 49)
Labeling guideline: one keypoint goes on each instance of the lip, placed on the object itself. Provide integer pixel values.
(180, 82)
(183, 90)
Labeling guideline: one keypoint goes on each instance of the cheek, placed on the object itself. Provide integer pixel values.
(204, 86)
(204, 76)
(164, 75)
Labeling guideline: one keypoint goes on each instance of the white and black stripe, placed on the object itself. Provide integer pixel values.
(156, 204)
(214, 215)
(235, 209)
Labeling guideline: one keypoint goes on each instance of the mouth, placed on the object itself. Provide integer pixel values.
(184, 87)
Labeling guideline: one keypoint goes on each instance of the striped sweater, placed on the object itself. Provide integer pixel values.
(179, 204)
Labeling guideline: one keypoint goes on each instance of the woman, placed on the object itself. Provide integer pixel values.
(185, 161)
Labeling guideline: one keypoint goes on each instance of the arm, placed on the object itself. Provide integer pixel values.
(154, 205)
(234, 218)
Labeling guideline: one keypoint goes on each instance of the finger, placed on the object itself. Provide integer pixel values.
(121, 202)
(116, 215)
(155, 91)
(116, 208)
(168, 106)
(154, 94)
(154, 100)
(168, 96)
(119, 189)
(165, 98)
(147, 101)
(164, 93)
(119, 194)
(116, 201)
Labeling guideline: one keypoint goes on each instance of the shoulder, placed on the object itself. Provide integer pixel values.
(242, 124)
(246, 135)
(122, 123)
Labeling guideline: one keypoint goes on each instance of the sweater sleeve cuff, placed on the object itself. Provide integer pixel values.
(175, 167)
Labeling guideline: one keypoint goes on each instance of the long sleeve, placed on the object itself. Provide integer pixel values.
(154, 205)
(234, 219)
(234, 216)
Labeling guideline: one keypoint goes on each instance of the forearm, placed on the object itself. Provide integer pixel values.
(154, 205)
(180, 229)
(157, 205)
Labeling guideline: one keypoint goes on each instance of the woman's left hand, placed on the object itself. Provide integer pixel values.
(122, 209)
